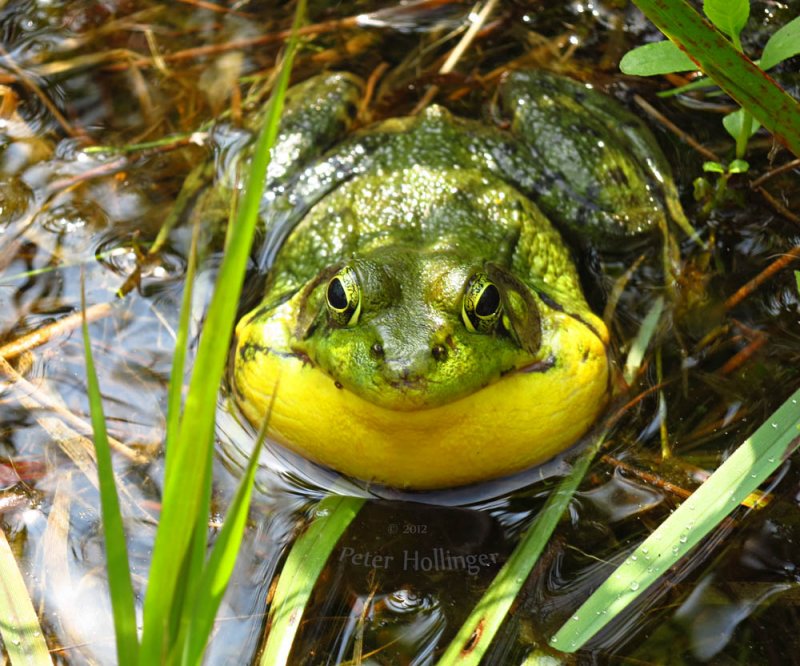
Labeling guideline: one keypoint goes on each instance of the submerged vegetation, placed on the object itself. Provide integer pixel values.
(712, 375)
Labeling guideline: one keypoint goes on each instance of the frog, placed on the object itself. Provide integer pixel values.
(422, 322)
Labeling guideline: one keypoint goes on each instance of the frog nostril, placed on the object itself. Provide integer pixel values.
(439, 352)
(377, 350)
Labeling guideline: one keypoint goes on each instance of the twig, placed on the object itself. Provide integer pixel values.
(743, 355)
(25, 80)
(788, 166)
(43, 401)
(457, 52)
(58, 328)
(240, 44)
(677, 131)
(778, 206)
(748, 288)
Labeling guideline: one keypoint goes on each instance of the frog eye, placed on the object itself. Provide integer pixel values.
(343, 297)
(481, 306)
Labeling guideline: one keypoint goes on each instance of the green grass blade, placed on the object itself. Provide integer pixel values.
(22, 636)
(732, 71)
(184, 493)
(303, 566)
(220, 565)
(642, 340)
(175, 390)
(746, 469)
(119, 577)
(476, 634)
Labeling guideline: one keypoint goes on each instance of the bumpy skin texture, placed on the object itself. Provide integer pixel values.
(405, 390)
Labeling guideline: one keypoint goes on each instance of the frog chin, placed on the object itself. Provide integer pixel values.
(405, 392)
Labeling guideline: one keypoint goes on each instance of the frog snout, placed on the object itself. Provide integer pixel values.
(408, 370)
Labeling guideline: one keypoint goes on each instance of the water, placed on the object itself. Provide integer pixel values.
(412, 565)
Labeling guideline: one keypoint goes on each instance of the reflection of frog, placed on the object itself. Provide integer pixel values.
(422, 318)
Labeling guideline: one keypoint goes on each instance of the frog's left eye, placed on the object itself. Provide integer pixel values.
(481, 307)
(343, 297)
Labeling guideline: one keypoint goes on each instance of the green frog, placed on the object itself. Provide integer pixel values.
(423, 324)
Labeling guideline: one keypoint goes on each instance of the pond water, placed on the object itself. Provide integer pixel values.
(164, 86)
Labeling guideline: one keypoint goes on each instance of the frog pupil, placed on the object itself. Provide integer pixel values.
(337, 298)
(488, 302)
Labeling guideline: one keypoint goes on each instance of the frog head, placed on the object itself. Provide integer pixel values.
(407, 328)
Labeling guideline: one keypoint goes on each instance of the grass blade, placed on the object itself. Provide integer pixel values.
(175, 390)
(19, 626)
(119, 577)
(185, 492)
(746, 469)
(476, 634)
(303, 566)
(732, 71)
(642, 340)
(220, 565)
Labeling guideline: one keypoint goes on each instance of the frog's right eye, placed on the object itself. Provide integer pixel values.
(481, 306)
(343, 297)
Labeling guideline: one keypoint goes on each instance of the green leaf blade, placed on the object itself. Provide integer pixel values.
(117, 564)
(657, 58)
(479, 629)
(734, 121)
(741, 474)
(185, 495)
(733, 72)
(300, 573)
(730, 16)
(783, 44)
(23, 638)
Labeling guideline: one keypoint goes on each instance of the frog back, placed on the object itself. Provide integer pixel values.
(433, 182)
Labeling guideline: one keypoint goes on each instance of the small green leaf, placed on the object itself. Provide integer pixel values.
(701, 189)
(730, 16)
(739, 166)
(784, 44)
(733, 123)
(797, 278)
(713, 167)
(656, 58)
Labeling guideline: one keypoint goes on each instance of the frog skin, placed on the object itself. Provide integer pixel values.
(423, 324)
